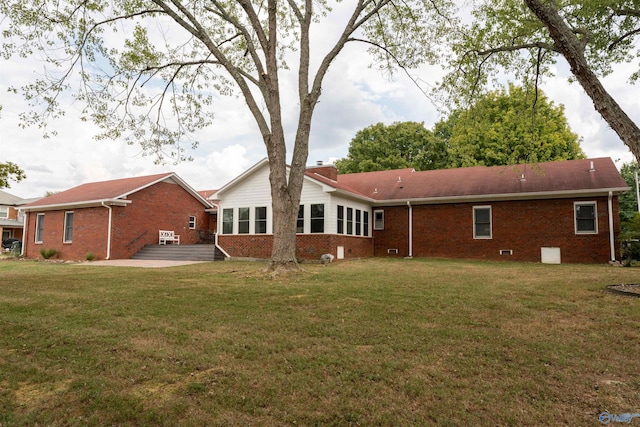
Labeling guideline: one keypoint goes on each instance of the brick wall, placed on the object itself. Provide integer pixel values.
(89, 234)
(523, 227)
(162, 206)
(308, 246)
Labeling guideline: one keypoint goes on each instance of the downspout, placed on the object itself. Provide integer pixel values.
(410, 230)
(611, 235)
(23, 249)
(109, 230)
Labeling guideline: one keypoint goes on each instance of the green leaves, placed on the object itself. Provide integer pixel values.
(10, 171)
(512, 127)
(397, 146)
(501, 128)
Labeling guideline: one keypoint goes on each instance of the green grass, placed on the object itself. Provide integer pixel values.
(372, 342)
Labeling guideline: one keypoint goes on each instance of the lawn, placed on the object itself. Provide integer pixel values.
(370, 342)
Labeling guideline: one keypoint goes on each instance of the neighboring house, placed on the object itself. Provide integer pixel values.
(11, 219)
(115, 219)
(551, 212)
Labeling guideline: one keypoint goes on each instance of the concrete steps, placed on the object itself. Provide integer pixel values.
(180, 253)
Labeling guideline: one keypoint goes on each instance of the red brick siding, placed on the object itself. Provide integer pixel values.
(162, 206)
(521, 226)
(308, 246)
(89, 234)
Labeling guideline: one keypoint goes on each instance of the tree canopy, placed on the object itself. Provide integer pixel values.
(628, 201)
(150, 71)
(500, 128)
(503, 128)
(525, 39)
(399, 145)
(10, 172)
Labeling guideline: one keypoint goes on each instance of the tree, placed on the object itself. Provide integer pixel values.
(10, 171)
(399, 145)
(628, 201)
(525, 39)
(503, 128)
(150, 67)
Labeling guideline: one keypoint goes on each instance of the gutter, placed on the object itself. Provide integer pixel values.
(109, 230)
(84, 204)
(611, 233)
(590, 192)
(23, 249)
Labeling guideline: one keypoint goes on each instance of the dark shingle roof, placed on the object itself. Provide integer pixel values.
(570, 176)
(117, 189)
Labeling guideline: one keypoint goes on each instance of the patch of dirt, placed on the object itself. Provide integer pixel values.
(630, 289)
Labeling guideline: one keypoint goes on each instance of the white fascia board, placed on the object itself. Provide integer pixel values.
(178, 181)
(191, 191)
(125, 195)
(564, 194)
(238, 179)
(77, 205)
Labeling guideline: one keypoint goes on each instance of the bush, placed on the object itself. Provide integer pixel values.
(48, 253)
(90, 256)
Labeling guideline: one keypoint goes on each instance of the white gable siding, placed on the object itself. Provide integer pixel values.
(254, 191)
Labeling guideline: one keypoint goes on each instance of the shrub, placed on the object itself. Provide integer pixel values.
(48, 253)
(90, 256)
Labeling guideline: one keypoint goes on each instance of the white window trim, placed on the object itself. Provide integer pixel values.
(35, 234)
(375, 227)
(195, 222)
(4, 212)
(475, 234)
(64, 230)
(595, 216)
(233, 222)
(255, 220)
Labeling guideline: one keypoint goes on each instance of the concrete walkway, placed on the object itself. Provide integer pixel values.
(141, 263)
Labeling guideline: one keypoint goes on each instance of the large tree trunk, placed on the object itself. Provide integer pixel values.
(569, 46)
(284, 202)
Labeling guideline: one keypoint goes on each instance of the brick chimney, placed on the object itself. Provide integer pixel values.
(328, 171)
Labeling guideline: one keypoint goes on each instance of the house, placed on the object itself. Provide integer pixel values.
(11, 219)
(115, 219)
(552, 212)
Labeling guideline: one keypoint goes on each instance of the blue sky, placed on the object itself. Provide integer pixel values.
(354, 96)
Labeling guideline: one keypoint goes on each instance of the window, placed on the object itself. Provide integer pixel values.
(349, 221)
(243, 220)
(192, 222)
(358, 222)
(39, 227)
(482, 222)
(378, 220)
(300, 222)
(227, 221)
(4, 212)
(68, 227)
(585, 216)
(317, 218)
(261, 220)
(340, 219)
(365, 224)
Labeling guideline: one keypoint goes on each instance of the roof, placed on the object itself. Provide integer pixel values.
(550, 179)
(114, 192)
(7, 199)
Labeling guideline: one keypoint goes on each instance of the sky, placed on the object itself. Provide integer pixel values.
(354, 96)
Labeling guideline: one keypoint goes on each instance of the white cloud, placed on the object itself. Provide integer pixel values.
(354, 97)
